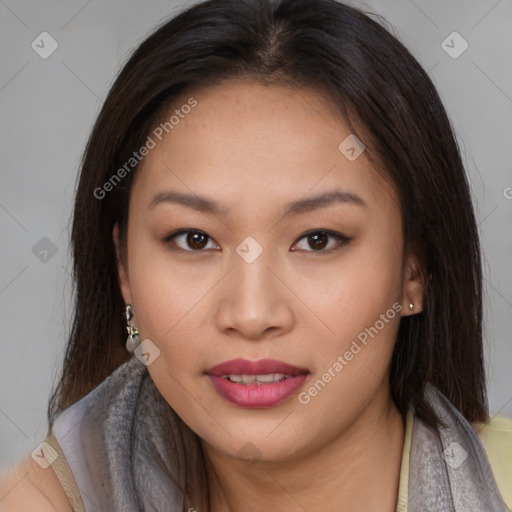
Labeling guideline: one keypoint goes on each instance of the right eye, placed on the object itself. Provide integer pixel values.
(194, 239)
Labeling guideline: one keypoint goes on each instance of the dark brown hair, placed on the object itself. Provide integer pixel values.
(376, 84)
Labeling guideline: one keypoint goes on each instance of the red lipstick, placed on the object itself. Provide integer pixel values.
(256, 384)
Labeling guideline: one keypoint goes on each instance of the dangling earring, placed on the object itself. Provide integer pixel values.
(411, 306)
(133, 340)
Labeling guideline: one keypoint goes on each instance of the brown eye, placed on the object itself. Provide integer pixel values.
(319, 240)
(196, 240)
(188, 240)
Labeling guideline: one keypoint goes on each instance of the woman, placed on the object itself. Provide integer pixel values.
(273, 205)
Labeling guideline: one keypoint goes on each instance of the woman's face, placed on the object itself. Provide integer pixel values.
(318, 289)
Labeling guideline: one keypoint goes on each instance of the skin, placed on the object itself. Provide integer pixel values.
(253, 149)
(28, 487)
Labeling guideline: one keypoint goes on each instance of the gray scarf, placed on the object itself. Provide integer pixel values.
(127, 453)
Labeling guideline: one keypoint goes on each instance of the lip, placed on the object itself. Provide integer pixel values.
(256, 396)
(260, 367)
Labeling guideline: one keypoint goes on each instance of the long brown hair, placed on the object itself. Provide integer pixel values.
(375, 83)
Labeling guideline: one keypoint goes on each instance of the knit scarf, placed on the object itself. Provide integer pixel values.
(127, 453)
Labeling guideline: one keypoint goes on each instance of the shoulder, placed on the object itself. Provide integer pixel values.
(496, 436)
(28, 487)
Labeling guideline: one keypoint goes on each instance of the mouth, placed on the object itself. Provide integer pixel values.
(256, 379)
(256, 384)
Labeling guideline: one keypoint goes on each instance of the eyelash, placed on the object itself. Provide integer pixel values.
(341, 239)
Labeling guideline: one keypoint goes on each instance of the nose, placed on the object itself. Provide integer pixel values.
(255, 303)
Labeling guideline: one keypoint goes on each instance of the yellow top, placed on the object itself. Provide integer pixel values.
(496, 437)
(66, 478)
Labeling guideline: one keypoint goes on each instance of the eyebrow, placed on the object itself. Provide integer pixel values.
(207, 205)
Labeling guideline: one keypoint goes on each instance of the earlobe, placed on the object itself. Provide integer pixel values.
(413, 289)
(122, 273)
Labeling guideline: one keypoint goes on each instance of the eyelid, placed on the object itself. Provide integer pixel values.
(340, 237)
(182, 231)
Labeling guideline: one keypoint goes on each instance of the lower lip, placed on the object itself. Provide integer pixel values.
(257, 396)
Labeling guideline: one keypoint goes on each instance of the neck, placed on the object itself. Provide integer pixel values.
(358, 470)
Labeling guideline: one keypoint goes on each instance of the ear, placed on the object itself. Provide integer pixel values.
(122, 271)
(413, 287)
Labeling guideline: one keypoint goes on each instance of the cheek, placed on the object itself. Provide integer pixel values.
(360, 288)
(164, 291)
(351, 362)
(361, 308)
(166, 308)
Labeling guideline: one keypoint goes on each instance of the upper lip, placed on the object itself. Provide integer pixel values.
(260, 367)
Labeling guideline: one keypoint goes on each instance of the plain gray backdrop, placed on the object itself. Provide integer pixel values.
(48, 106)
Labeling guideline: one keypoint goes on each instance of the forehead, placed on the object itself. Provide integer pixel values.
(251, 144)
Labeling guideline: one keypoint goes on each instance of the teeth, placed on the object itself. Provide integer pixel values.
(271, 377)
(258, 379)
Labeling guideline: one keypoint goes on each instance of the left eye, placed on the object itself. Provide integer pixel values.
(195, 241)
(318, 240)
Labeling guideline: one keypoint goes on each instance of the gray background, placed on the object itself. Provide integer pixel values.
(47, 107)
